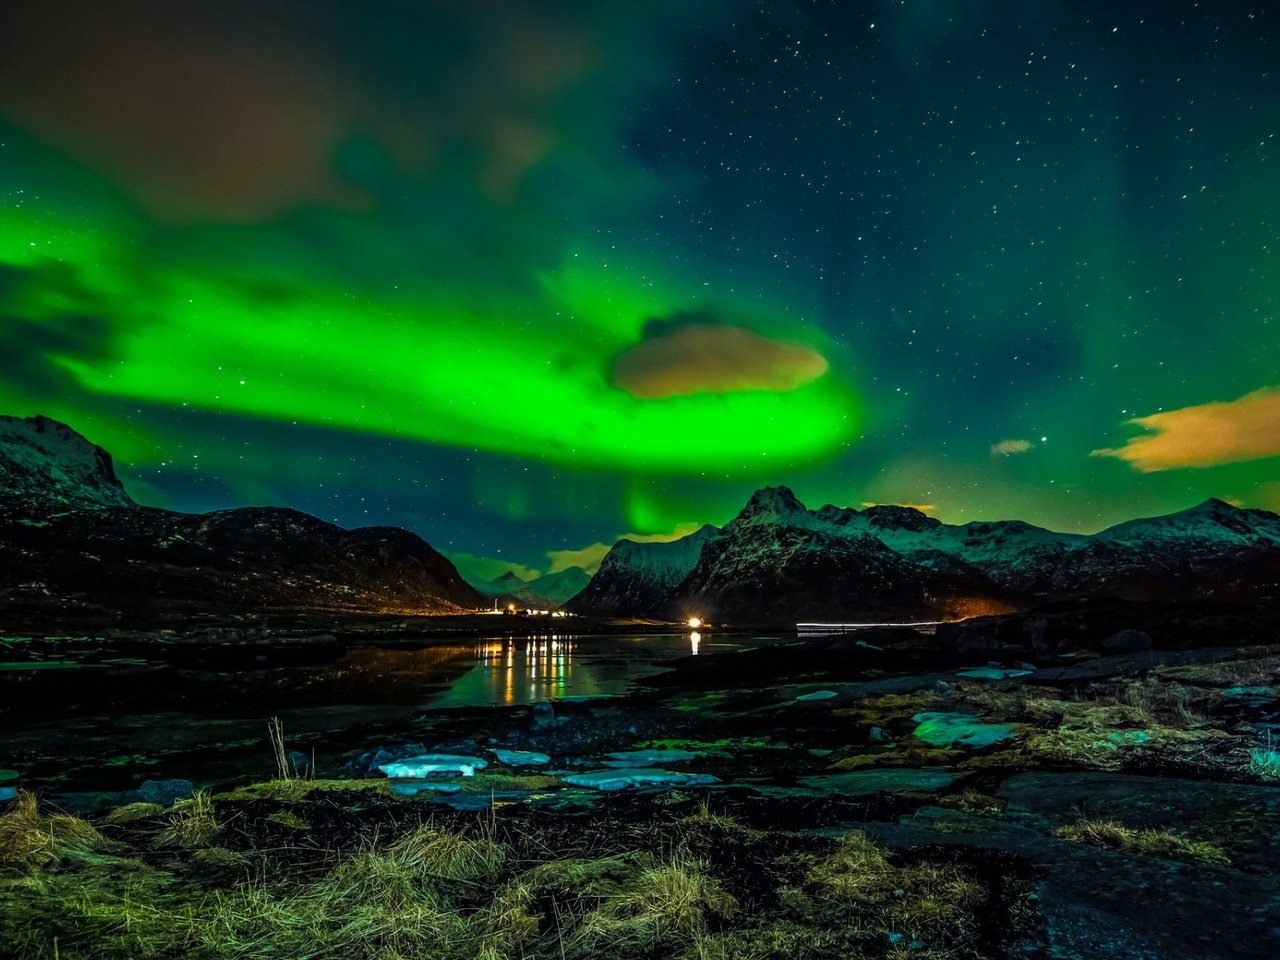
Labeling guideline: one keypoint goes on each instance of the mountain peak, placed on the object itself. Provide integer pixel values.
(770, 503)
(1213, 505)
(46, 465)
(894, 517)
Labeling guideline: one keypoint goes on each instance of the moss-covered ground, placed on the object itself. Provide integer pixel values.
(354, 873)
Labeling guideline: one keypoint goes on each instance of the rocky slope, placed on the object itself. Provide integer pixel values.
(641, 578)
(45, 467)
(778, 561)
(76, 550)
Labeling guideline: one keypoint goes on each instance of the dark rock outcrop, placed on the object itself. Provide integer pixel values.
(75, 549)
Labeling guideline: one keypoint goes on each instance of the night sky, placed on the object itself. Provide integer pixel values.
(525, 277)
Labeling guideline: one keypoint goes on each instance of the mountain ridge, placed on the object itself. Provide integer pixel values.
(74, 547)
(777, 559)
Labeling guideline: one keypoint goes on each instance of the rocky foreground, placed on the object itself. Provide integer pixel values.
(1070, 792)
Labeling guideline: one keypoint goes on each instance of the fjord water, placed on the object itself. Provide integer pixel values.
(80, 728)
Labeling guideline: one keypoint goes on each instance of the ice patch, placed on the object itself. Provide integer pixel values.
(521, 758)
(433, 764)
(991, 673)
(638, 777)
(816, 695)
(647, 758)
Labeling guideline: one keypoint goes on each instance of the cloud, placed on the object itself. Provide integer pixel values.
(473, 567)
(1006, 447)
(1205, 435)
(589, 557)
(239, 113)
(694, 356)
(1267, 496)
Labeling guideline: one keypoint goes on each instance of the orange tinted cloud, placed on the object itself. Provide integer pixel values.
(234, 110)
(710, 358)
(1206, 435)
(589, 557)
(1006, 447)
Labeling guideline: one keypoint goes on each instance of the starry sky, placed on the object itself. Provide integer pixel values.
(525, 277)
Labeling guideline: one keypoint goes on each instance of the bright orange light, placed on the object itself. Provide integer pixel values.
(695, 623)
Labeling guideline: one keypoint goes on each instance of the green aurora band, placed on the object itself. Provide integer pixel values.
(429, 366)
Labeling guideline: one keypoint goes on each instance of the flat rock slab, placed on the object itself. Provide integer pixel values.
(1243, 817)
(638, 777)
(648, 758)
(864, 783)
(433, 764)
(993, 673)
(521, 758)
(1100, 904)
(817, 695)
(1120, 664)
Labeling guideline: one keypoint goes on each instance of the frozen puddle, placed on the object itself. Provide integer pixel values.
(622, 779)
(433, 764)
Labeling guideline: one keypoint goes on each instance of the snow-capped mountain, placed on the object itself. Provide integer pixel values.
(74, 548)
(549, 591)
(45, 466)
(641, 578)
(777, 560)
(1209, 528)
(563, 585)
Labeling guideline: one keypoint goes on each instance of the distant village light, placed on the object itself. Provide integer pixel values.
(695, 623)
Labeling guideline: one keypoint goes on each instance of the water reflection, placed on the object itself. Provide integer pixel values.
(523, 670)
(111, 726)
(516, 670)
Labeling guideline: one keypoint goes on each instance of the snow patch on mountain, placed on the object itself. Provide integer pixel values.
(45, 465)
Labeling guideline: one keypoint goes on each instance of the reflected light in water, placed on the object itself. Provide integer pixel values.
(695, 641)
(542, 664)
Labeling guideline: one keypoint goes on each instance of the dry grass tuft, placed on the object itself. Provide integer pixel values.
(1259, 670)
(300, 790)
(925, 901)
(429, 852)
(192, 824)
(30, 839)
(973, 801)
(133, 812)
(669, 903)
(1156, 843)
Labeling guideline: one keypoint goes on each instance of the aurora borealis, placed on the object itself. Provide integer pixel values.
(527, 276)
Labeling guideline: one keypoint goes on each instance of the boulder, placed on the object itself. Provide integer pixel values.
(542, 716)
(166, 792)
(1127, 641)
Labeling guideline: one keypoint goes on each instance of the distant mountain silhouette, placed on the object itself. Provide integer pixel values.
(74, 547)
(779, 562)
